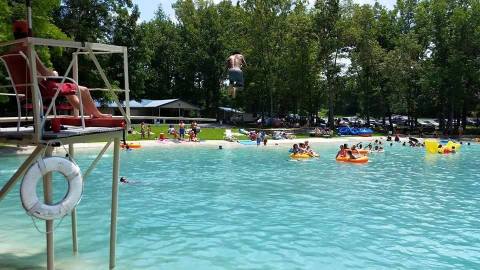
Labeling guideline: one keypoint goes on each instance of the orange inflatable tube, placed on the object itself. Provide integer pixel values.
(356, 160)
(363, 151)
(131, 145)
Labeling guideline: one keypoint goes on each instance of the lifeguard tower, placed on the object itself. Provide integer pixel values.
(75, 129)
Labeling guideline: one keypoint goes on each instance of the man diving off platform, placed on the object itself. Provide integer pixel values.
(235, 62)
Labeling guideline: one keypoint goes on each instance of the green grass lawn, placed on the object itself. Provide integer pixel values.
(472, 130)
(205, 133)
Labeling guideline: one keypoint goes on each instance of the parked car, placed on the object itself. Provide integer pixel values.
(387, 122)
(344, 121)
(435, 122)
(399, 118)
(426, 123)
(374, 123)
(472, 121)
(358, 122)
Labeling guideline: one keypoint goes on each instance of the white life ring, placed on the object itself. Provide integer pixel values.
(28, 189)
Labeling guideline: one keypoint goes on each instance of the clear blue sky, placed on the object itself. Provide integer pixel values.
(148, 7)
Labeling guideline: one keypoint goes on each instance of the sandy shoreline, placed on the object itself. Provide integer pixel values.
(208, 143)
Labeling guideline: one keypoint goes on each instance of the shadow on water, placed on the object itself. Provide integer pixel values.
(10, 261)
(13, 149)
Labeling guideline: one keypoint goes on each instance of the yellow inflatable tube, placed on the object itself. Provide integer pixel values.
(432, 146)
(302, 156)
(363, 159)
(450, 145)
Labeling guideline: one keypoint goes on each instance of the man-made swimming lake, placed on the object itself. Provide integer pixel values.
(253, 208)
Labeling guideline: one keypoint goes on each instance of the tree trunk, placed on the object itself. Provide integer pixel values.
(390, 121)
(331, 123)
(442, 115)
(331, 85)
(450, 117)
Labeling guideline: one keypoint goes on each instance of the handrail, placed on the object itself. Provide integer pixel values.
(66, 44)
(52, 103)
(17, 96)
(107, 83)
(18, 85)
(106, 90)
(10, 94)
(82, 48)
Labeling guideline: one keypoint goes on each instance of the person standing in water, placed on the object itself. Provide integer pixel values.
(235, 62)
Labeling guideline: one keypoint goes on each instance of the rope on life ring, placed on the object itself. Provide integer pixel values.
(28, 189)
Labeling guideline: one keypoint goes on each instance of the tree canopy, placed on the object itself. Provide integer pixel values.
(420, 58)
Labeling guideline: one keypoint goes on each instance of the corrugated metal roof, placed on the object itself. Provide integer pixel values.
(226, 109)
(147, 103)
(156, 103)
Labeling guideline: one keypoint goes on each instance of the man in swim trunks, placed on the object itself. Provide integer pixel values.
(20, 30)
(235, 62)
(181, 129)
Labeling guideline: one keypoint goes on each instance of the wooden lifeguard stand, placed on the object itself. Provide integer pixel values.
(44, 141)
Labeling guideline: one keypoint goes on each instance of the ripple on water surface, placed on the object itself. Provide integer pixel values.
(254, 208)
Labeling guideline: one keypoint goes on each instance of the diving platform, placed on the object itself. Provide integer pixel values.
(25, 136)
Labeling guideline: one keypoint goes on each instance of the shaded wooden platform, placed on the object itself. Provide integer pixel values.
(26, 135)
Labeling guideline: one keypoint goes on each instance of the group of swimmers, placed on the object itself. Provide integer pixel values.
(376, 146)
(303, 148)
(351, 153)
(412, 142)
(358, 150)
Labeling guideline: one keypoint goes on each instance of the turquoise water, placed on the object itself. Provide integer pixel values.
(253, 208)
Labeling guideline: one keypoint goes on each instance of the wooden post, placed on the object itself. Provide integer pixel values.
(94, 163)
(23, 168)
(36, 96)
(127, 86)
(113, 218)
(48, 198)
(75, 77)
(71, 153)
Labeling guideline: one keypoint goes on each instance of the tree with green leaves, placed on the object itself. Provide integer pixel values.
(298, 64)
(419, 59)
(327, 17)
